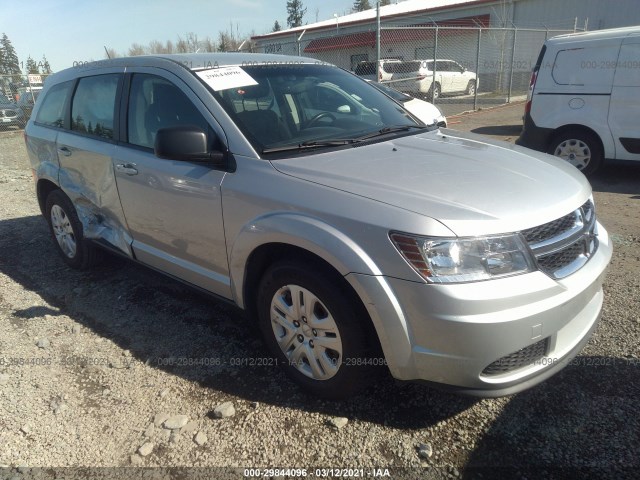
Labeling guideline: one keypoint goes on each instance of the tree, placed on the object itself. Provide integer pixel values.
(136, 49)
(295, 12)
(276, 27)
(45, 68)
(385, 2)
(31, 66)
(361, 5)
(10, 64)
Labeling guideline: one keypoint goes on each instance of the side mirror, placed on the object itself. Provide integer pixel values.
(186, 143)
(344, 109)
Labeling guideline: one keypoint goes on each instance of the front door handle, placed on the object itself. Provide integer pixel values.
(64, 151)
(128, 168)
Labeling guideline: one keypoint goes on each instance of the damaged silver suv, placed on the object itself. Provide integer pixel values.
(359, 238)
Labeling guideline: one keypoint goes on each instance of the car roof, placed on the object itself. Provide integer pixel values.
(191, 61)
(595, 35)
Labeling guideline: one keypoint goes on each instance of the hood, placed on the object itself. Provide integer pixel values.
(472, 184)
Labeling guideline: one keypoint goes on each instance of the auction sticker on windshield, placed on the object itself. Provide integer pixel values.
(223, 78)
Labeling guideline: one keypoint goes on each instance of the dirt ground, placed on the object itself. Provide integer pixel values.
(92, 364)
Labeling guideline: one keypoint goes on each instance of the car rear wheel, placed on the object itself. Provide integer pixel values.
(471, 88)
(314, 330)
(66, 231)
(580, 148)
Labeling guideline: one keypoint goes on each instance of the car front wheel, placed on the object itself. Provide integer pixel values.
(314, 329)
(66, 231)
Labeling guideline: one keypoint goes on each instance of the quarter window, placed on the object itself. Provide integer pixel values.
(52, 111)
(93, 105)
(156, 103)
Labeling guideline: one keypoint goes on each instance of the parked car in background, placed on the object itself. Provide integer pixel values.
(584, 98)
(451, 78)
(27, 101)
(357, 239)
(368, 70)
(425, 111)
(11, 115)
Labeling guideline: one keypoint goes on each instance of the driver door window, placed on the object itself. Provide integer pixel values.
(156, 103)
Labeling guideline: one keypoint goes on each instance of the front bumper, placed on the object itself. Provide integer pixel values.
(455, 332)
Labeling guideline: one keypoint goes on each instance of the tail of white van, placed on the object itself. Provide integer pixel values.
(583, 103)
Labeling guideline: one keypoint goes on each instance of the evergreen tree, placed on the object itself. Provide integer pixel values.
(10, 64)
(276, 27)
(31, 66)
(361, 5)
(295, 12)
(45, 68)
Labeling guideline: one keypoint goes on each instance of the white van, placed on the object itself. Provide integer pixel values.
(584, 98)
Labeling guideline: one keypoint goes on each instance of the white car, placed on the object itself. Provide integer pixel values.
(450, 77)
(425, 111)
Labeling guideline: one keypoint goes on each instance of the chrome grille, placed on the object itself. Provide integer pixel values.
(551, 229)
(522, 358)
(563, 246)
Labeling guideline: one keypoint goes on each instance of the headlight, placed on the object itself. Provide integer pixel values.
(458, 260)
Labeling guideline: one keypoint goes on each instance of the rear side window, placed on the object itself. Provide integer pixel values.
(404, 67)
(366, 68)
(93, 106)
(592, 67)
(52, 110)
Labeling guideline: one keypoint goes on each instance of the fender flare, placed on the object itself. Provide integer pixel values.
(344, 255)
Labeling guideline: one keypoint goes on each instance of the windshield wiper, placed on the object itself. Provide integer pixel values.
(386, 130)
(335, 142)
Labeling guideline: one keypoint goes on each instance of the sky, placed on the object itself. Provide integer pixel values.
(77, 31)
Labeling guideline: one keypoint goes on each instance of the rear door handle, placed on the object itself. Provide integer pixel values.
(127, 168)
(64, 151)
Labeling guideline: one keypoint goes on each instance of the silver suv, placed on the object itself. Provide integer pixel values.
(358, 238)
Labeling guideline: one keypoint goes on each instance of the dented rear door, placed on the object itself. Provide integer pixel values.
(85, 154)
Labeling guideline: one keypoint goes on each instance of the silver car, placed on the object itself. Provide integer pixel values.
(358, 238)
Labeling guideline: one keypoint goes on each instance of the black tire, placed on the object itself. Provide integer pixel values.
(471, 88)
(356, 368)
(85, 254)
(578, 142)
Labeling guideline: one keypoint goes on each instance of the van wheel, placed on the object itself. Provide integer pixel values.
(314, 330)
(471, 88)
(580, 148)
(434, 92)
(66, 231)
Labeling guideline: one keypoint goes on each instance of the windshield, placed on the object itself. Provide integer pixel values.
(309, 105)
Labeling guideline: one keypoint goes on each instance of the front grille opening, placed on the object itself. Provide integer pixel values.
(550, 230)
(553, 262)
(522, 358)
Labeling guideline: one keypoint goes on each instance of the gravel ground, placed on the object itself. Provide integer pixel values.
(95, 372)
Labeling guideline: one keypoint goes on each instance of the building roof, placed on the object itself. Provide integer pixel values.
(388, 13)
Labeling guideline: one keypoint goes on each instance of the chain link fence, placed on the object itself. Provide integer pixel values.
(18, 94)
(459, 68)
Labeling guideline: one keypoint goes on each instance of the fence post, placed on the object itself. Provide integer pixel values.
(513, 54)
(378, 33)
(475, 95)
(435, 68)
